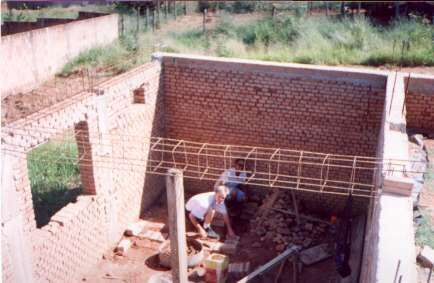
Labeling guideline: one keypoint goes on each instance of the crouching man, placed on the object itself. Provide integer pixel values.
(202, 208)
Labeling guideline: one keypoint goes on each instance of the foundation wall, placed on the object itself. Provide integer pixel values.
(117, 192)
(35, 56)
(419, 104)
(291, 106)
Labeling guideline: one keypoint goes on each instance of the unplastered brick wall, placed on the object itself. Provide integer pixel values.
(240, 102)
(117, 190)
(419, 103)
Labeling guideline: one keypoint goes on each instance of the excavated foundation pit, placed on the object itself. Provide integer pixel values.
(219, 102)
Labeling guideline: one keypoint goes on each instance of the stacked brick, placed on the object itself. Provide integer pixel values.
(227, 102)
(420, 111)
(79, 233)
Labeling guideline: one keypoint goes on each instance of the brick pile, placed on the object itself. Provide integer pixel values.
(279, 230)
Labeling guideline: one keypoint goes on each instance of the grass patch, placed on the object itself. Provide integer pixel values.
(285, 38)
(321, 40)
(425, 232)
(54, 184)
(29, 15)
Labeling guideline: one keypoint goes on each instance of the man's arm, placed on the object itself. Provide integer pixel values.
(228, 225)
(196, 225)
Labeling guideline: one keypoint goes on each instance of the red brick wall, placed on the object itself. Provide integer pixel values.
(76, 237)
(272, 106)
(419, 104)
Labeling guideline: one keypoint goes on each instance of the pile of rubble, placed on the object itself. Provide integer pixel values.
(277, 226)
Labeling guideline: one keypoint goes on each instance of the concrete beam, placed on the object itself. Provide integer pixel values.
(398, 185)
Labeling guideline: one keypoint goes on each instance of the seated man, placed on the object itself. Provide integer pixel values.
(233, 178)
(201, 208)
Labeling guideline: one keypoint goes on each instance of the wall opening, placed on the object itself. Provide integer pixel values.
(54, 176)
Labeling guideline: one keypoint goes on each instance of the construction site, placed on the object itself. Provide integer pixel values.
(332, 158)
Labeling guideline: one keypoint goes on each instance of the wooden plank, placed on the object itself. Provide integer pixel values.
(178, 241)
(269, 201)
(276, 280)
(270, 264)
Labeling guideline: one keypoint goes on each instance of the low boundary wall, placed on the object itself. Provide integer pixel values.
(32, 57)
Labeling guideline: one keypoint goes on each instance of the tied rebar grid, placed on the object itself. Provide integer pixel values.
(265, 167)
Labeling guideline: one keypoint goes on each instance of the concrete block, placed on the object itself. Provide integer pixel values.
(228, 248)
(398, 185)
(135, 229)
(153, 236)
(239, 267)
(426, 256)
(123, 246)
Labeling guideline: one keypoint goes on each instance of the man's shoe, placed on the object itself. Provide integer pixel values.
(212, 234)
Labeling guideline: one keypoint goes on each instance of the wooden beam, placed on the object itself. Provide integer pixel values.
(178, 241)
(294, 201)
(270, 264)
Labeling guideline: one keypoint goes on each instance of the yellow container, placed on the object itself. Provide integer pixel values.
(216, 267)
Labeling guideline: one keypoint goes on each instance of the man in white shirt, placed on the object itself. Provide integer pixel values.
(202, 207)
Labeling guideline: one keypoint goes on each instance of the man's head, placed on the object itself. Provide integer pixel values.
(220, 193)
(239, 164)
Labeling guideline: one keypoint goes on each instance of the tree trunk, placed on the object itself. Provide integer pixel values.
(137, 19)
(147, 17)
(174, 8)
(165, 9)
(327, 8)
(158, 14)
(359, 6)
(153, 20)
(342, 8)
(122, 24)
(396, 10)
(204, 21)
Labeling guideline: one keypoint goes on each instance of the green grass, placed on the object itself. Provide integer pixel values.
(319, 40)
(54, 177)
(425, 232)
(52, 12)
(286, 38)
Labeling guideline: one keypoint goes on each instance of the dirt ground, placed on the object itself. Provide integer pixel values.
(426, 200)
(21, 105)
(141, 261)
